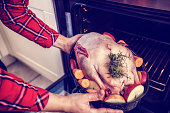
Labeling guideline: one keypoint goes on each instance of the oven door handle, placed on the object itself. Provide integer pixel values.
(76, 89)
(79, 89)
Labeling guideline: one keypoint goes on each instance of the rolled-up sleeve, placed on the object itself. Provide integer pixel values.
(15, 15)
(18, 95)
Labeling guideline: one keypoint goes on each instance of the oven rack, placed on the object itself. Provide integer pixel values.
(155, 54)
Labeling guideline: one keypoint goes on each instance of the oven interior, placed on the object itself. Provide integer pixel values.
(145, 31)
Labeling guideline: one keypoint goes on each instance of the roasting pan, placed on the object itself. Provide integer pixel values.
(101, 104)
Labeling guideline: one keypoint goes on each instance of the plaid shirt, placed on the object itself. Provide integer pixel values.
(15, 94)
(16, 16)
(18, 95)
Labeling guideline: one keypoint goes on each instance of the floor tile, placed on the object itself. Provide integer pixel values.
(41, 82)
(21, 70)
(7, 60)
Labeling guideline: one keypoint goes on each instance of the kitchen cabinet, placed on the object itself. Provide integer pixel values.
(3, 48)
(46, 61)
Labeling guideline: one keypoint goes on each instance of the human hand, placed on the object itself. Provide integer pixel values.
(72, 41)
(79, 103)
(65, 43)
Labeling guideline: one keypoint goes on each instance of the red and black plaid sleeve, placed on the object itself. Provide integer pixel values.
(16, 16)
(18, 95)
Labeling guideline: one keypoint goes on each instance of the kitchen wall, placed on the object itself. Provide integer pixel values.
(46, 61)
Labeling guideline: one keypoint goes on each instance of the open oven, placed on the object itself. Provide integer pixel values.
(142, 24)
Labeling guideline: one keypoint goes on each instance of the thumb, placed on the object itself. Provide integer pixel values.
(76, 37)
(96, 96)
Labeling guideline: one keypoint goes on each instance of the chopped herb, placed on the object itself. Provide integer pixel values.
(116, 62)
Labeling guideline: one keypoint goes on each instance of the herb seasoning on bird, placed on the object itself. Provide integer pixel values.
(116, 62)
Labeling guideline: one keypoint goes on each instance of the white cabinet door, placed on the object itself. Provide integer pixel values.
(46, 61)
(3, 48)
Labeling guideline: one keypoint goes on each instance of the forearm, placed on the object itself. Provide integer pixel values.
(57, 103)
(62, 42)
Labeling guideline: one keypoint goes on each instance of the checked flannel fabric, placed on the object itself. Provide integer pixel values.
(15, 15)
(18, 95)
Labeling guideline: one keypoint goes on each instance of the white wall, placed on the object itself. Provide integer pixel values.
(46, 61)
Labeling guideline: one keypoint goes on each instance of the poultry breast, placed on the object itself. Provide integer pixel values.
(102, 60)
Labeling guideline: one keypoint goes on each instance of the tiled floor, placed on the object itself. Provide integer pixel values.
(27, 74)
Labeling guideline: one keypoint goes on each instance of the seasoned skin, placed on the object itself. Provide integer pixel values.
(92, 56)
